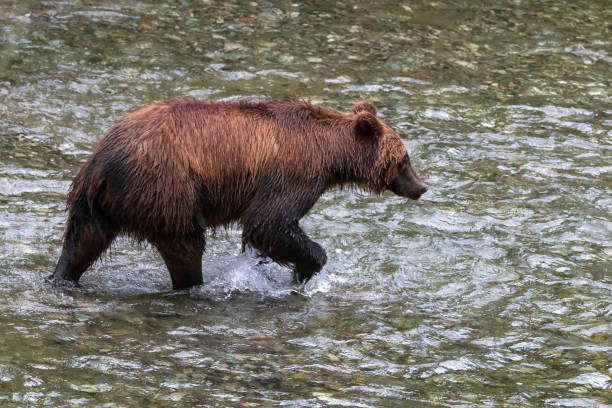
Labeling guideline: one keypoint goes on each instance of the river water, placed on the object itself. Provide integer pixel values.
(494, 289)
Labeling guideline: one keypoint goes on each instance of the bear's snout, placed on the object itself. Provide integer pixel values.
(416, 193)
(422, 190)
(407, 182)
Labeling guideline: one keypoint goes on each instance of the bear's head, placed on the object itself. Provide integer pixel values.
(391, 168)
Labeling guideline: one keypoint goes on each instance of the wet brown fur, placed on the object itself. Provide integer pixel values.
(185, 157)
(168, 171)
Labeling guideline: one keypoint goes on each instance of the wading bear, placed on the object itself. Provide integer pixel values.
(168, 171)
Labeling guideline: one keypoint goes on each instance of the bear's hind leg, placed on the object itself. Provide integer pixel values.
(183, 257)
(87, 236)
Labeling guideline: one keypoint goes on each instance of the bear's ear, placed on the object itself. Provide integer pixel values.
(367, 126)
(367, 106)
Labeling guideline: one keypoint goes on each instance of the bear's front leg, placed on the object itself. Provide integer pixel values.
(286, 244)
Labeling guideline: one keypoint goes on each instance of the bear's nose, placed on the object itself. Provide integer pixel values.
(423, 190)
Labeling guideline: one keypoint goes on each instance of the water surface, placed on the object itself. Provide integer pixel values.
(493, 290)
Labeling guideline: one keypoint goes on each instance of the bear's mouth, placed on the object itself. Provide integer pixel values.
(414, 193)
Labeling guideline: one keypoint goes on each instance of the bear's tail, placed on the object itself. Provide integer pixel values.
(85, 187)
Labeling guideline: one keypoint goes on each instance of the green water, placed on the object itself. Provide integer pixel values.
(495, 289)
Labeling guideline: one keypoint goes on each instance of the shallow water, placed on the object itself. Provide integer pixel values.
(493, 290)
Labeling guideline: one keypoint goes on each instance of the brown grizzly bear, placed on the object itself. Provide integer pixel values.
(168, 171)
